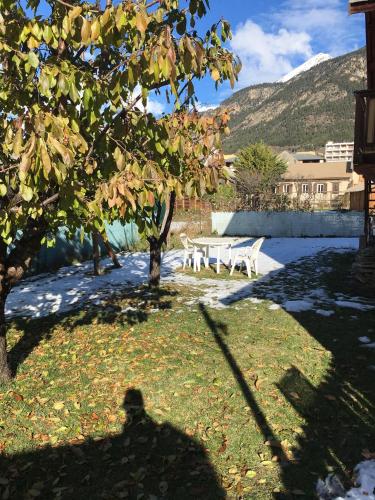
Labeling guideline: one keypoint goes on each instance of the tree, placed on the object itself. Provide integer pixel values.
(258, 172)
(74, 136)
(192, 168)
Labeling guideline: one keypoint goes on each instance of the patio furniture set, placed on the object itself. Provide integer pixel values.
(198, 250)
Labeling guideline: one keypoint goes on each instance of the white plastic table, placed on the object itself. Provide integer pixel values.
(217, 243)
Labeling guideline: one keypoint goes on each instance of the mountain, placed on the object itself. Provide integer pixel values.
(319, 58)
(306, 111)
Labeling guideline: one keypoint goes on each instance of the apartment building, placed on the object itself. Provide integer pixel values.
(339, 151)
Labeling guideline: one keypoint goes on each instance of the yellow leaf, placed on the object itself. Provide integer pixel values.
(95, 29)
(141, 21)
(59, 405)
(86, 31)
(215, 74)
(73, 13)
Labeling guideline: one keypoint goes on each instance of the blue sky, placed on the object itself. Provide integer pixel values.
(272, 37)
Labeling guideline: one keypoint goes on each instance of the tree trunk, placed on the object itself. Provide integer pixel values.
(111, 252)
(5, 372)
(96, 253)
(13, 266)
(157, 243)
(155, 262)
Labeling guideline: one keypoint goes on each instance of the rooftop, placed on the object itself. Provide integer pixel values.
(318, 171)
(361, 6)
(307, 156)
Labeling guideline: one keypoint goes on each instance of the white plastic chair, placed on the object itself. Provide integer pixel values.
(191, 253)
(249, 256)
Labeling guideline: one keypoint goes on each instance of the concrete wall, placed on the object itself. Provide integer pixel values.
(288, 224)
(66, 251)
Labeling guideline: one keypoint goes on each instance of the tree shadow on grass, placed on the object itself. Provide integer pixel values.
(338, 414)
(220, 331)
(129, 308)
(147, 460)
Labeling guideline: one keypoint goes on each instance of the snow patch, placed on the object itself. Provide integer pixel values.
(365, 479)
(332, 487)
(354, 305)
(75, 285)
(364, 340)
(324, 312)
(369, 346)
(274, 307)
(314, 61)
(298, 305)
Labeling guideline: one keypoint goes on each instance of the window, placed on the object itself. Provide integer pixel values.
(320, 188)
(305, 188)
(335, 187)
(287, 188)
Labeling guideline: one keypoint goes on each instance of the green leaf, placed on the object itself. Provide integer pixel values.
(63, 84)
(3, 189)
(33, 59)
(47, 34)
(87, 97)
(73, 93)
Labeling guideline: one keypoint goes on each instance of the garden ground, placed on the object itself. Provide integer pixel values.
(209, 388)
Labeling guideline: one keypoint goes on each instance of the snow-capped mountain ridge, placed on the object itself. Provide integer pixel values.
(314, 61)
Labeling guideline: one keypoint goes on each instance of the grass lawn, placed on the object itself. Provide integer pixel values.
(243, 402)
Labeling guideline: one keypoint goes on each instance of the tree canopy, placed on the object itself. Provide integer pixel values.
(261, 162)
(77, 142)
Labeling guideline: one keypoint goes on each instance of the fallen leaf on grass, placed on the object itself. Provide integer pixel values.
(16, 396)
(330, 397)
(223, 446)
(59, 405)
(250, 474)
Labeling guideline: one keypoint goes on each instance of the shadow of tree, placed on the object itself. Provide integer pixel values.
(219, 331)
(338, 414)
(147, 460)
(131, 307)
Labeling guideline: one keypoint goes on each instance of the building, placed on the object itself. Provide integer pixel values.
(339, 151)
(364, 132)
(320, 185)
(308, 157)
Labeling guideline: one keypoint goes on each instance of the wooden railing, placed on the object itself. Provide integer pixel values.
(364, 131)
(193, 204)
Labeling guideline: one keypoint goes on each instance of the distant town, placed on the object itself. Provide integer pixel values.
(326, 179)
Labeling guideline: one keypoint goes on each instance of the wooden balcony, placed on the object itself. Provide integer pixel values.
(364, 140)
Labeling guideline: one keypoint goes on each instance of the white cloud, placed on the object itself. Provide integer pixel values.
(205, 107)
(326, 21)
(293, 33)
(266, 56)
(153, 106)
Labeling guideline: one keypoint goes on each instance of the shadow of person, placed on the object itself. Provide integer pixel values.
(146, 461)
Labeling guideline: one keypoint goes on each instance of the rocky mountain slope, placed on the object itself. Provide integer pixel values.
(305, 112)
